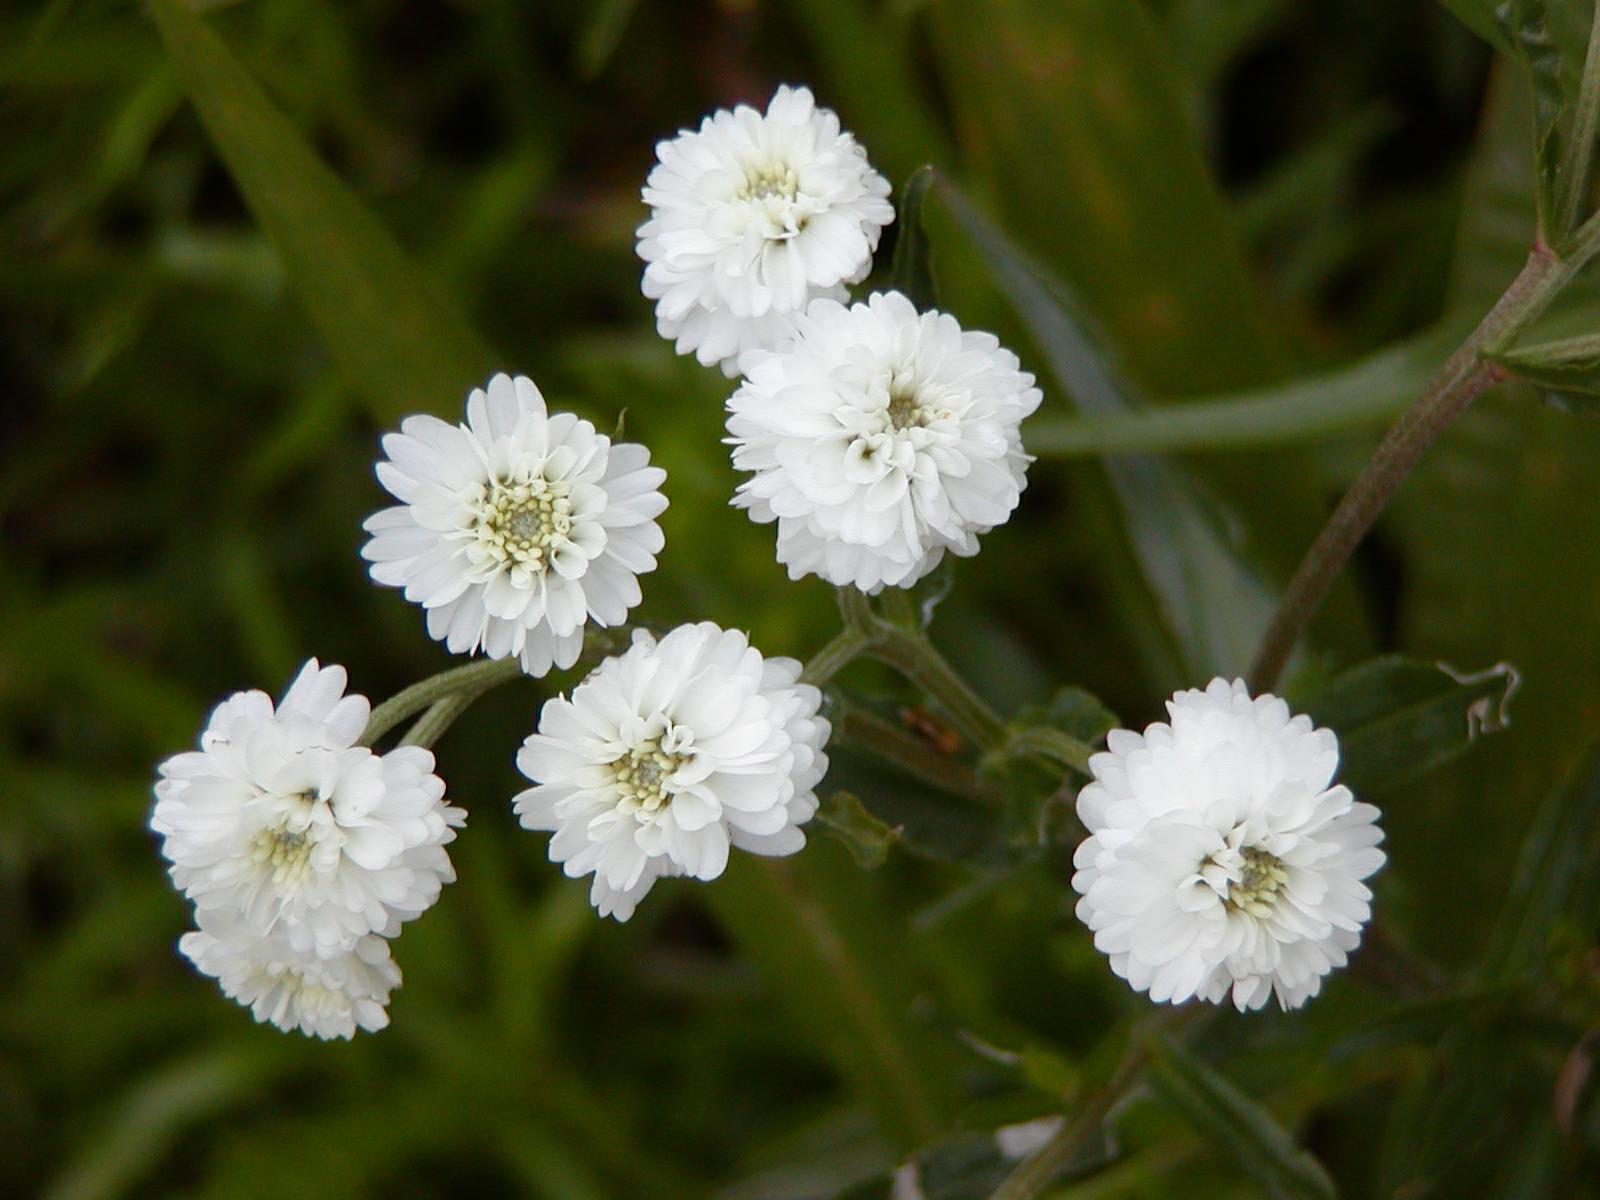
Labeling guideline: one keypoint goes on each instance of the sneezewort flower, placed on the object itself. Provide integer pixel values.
(1222, 859)
(751, 217)
(283, 822)
(668, 755)
(320, 997)
(880, 439)
(516, 528)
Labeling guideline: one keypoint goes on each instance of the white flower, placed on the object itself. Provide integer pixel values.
(880, 439)
(321, 997)
(668, 754)
(283, 821)
(1221, 857)
(753, 216)
(517, 527)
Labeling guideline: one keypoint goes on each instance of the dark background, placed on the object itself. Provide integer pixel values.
(1245, 193)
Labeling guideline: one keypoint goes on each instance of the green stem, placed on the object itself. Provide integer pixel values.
(846, 646)
(915, 657)
(1035, 1174)
(1464, 376)
(476, 676)
(909, 652)
(1052, 744)
(900, 607)
(912, 755)
(442, 714)
(856, 609)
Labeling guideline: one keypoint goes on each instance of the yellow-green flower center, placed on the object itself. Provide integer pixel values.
(642, 773)
(522, 523)
(1259, 883)
(768, 181)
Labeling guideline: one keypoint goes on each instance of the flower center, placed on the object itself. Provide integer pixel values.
(768, 181)
(1262, 877)
(284, 850)
(906, 410)
(641, 776)
(521, 523)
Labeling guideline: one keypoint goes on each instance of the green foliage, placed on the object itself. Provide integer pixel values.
(1211, 602)
(867, 838)
(1549, 40)
(1397, 718)
(238, 241)
(1235, 1125)
(401, 344)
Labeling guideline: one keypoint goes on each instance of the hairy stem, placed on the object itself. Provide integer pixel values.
(1052, 744)
(431, 725)
(476, 677)
(845, 647)
(1464, 376)
(908, 651)
(915, 757)
(915, 657)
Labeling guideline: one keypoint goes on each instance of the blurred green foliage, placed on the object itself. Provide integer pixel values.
(236, 245)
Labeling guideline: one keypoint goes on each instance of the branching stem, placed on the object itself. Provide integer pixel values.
(1464, 376)
(475, 677)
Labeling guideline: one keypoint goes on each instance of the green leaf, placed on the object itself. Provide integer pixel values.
(867, 838)
(1371, 391)
(1074, 712)
(1398, 718)
(1554, 882)
(1549, 40)
(911, 272)
(1567, 369)
(1233, 1123)
(156, 1112)
(864, 51)
(400, 344)
(1080, 126)
(1213, 603)
(814, 927)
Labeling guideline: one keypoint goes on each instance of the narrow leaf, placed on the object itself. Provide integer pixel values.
(400, 344)
(1371, 391)
(1185, 542)
(1078, 116)
(1548, 39)
(1555, 881)
(1236, 1125)
(1398, 718)
(811, 925)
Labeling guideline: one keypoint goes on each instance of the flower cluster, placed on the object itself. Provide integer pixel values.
(302, 851)
(1222, 861)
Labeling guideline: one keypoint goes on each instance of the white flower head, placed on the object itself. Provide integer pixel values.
(880, 439)
(517, 527)
(281, 820)
(751, 217)
(321, 997)
(1221, 857)
(667, 755)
